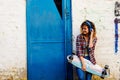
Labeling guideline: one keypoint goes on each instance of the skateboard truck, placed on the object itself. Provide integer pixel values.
(104, 72)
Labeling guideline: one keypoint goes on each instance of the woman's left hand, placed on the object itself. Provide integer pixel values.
(92, 31)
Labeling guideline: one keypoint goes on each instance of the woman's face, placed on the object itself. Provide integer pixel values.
(85, 29)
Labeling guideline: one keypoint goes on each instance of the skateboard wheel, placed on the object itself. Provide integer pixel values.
(71, 57)
(106, 66)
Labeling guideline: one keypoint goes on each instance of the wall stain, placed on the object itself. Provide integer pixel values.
(13, 73)
(94, 77)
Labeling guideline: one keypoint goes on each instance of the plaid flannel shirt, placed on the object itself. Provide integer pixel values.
(81, 45)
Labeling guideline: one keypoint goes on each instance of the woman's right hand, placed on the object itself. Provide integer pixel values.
(83, 64)
(83, 67)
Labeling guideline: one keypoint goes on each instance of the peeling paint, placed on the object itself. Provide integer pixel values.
(16, 27)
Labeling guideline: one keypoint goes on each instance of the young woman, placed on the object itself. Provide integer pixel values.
(85, 46)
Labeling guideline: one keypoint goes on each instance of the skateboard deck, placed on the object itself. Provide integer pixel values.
(94, 69)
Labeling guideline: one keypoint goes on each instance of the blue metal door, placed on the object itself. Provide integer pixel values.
(48, 37)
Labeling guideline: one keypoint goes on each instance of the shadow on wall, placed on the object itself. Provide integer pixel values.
(13, 74)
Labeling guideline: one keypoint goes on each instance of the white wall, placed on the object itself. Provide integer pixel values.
(13, 34)
(102, 14)
(12, 39)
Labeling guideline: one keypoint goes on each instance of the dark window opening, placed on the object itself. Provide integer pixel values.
(58, 4)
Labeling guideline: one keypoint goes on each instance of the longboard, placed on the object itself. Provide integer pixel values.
(91, 68)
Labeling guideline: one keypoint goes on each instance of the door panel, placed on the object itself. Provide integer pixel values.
(46, 56)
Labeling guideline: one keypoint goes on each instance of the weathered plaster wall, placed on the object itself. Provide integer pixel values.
(12, 40)
(102, 14)
(13, 35)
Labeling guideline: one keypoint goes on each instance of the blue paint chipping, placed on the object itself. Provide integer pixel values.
(116, 35)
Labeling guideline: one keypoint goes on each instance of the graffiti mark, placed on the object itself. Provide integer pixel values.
(117, 9)
(116, 34)
(116, 21)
